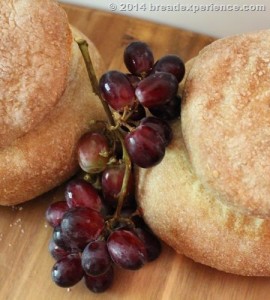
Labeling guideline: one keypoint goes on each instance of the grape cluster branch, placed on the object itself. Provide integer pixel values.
(83, 45)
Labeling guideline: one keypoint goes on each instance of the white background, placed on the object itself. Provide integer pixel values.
(218, 24)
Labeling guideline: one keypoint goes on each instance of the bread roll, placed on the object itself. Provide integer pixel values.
(226, 120)
(179, 201)
(46, 99)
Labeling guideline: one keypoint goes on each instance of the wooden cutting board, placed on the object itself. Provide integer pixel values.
(25, 263)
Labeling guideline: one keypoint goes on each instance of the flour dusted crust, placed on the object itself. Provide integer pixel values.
(44, 156)
(226, 120)
(34, 62)
(179, 201)
(187, 217)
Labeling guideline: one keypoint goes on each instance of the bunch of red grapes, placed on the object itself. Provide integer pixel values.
(94, 230)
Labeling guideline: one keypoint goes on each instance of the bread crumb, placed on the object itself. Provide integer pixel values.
(19, 208)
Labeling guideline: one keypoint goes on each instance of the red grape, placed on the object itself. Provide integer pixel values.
(55, 212)
(138, 58)
(100, 283)
(133, 80)
(59, 239)
(56, 251)
(95, 258)
(161, 126)
(145, 146)
(67, 271)
(138, 113)
(80, 193)
(126, 250)
(171, 64)
(82, 225)
(93, 152)
(156, 89)
(111, 182)
(152, 244)
(169, 111)
(116, 90)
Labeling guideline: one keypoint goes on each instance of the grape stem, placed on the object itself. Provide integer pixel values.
(83, 45)
(128, 166)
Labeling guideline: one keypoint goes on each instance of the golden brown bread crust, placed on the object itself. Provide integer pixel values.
(188, 218)
(46, 156)
(185, 214)
(226, 120)
(34, 62)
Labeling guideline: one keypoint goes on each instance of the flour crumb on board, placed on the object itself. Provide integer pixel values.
(17, 224)
(15, 207)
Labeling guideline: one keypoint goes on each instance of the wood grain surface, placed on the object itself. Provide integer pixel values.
(25, 263)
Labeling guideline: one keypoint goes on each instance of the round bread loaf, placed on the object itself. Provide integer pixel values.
(187, 217)
(175, 197)
(46, 99)
(226, 120)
